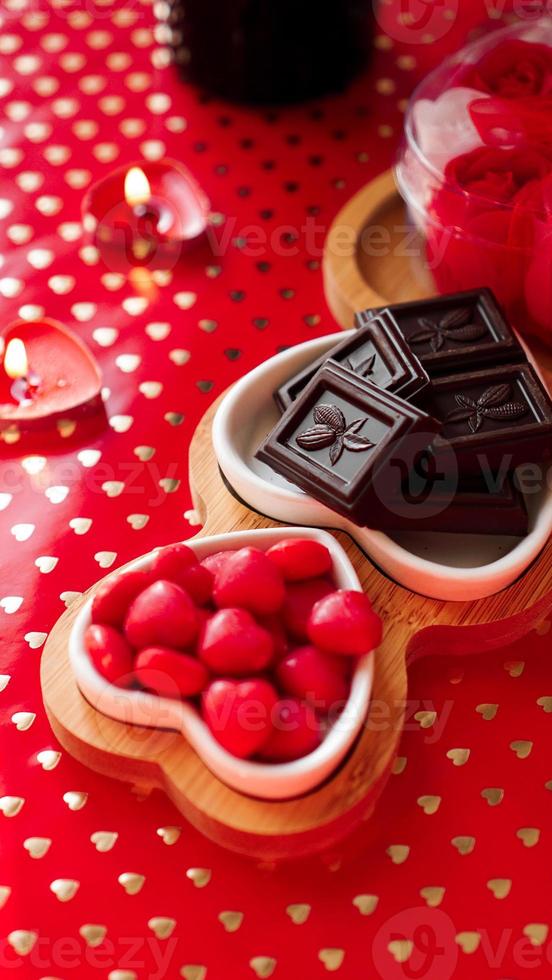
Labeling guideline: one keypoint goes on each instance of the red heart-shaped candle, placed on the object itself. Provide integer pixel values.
(65, 378)
(145, 214)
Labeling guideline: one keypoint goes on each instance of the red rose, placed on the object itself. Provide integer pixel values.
(483, 254)
(491, 225)
(474, 182)
(514, 123)
(513, 69)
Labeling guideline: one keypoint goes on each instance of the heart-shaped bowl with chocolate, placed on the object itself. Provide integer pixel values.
(435, 563)
(141, 707)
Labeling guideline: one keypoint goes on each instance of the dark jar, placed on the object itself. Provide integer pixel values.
(270, 51)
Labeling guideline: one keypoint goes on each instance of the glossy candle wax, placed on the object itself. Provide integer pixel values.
(151, 232)
(69, 377)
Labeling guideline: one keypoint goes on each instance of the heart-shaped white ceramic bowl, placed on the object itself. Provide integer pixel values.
(459, 567)
(268, 781)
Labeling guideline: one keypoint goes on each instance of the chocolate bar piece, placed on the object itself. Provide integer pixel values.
(489, 418)
(377, 352)
(347, 442)
(473, 506)
(454, 333)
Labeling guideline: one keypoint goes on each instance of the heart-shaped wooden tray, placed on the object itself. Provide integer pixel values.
(273, 830)
(414, 625)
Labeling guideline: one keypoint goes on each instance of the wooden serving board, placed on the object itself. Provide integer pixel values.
(414, 625)
(274, 830)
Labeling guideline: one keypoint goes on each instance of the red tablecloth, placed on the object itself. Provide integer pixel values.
(457, 856)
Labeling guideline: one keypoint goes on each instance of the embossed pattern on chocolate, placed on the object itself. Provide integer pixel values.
(457, 326)
(364, 368)
(347, 442)
(377, 352)
(495, 403)
(330, 430)
(454, 333)
(494, 418)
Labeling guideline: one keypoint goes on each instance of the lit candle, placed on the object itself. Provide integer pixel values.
(148, 209)
(16, 366)
(48, 379)
(145, 215)
(137, 187)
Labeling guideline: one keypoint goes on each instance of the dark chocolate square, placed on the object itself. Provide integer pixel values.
(494, 418)
(456, 332)
(347, 442)
(377, 352)
(467, 506)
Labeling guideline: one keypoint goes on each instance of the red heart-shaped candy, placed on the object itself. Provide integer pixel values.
(232, 643)
(162, 615)
(300, 558)
(318, 677)
(115, 594)
(239, 713)
(345, 623)
(250, 580)
(170, 673)
(300, 598)
(110, 653)
(295, 731)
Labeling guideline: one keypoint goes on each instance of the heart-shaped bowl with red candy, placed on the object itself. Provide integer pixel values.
(262, 657)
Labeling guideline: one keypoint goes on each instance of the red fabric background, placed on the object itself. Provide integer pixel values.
(268, 170)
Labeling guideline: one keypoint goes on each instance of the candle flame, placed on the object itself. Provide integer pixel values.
(16, 364)
(137, 187)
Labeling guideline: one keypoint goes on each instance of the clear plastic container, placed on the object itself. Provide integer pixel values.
(475, 171)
